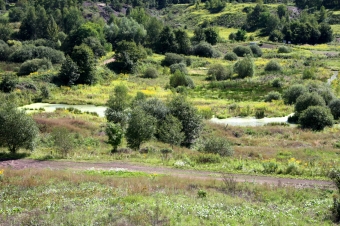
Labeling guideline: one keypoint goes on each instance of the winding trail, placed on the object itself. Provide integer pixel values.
(183, 173)
(334, 76)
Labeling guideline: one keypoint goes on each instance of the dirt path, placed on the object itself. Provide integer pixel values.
(334, 76)
(59, 165)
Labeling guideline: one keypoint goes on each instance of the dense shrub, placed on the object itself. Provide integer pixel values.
(316, 118)
(256, 50)
(217, 145)
(308, 99)
(273, 95)
(334, 106)
(30, 52)
(277, 83)
(207, 158)
(172, 58)
(204, 49)
(293, 92)
(5, 51)
(150, 73)
(180, 79)
(284, 49)
(308, 73)
(273, 66)
(180, 67)
(241, 51)
(219, 72)
(231, 56)
(245, 67)
(8, 83)
(34, 65)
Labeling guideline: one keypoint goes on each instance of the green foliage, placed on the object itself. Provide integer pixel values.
(170, 131)
(8, 83)
(156, 108)
(180, 79)
(219, 72)
(29, 52)
(63, 140)
(28, 25)
(117, 105)
(216, 145)
(231, 56)
(316, 118)
(207, 158)
(273, 95)
(211, 35)
(68, 73)
(178, 67)
(284, 49)
(293, 92)
(256, 50)
(308, 73)
(277, 83)
(269, 167)
(167, 41)
(150, 73)
(84, 58)
(115, 135)
(334, 106)
(183, 41)
(188, 116)
(242, 51)
(5, 32)
(204, 49)
(5, 51)
(245, 67)
(128, 53)
(240, 35)
(273, 66)
(141, 128)
(172, 58)
(34, 65)
(307, 100)
(17, 129)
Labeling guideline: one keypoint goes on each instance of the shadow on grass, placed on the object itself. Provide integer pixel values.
(10, 156)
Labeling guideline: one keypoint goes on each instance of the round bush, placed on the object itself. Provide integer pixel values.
(241, 51)
(217, 145)
(180, 67)
(245, 67)
(293, 92)
(273, 95)
(180, 79)
(150, 73)
(334, 106)
(284, 49)
(256, 50)
(172, 58)
(204, 49)
(219, 72)
(34, 65)
(307, 100)
(277, 83)
(316, 118)
(273, 66)
(308, 73)
(231, 56)
(8, 82)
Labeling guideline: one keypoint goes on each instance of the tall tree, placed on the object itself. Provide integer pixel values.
(28, 25)
(52, 29)
(41, 23)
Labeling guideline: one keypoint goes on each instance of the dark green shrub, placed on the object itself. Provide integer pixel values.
(180, 67)
(256, 50)
(114, 133)
(150, 73)
(273, 66)
(277, 83)
(293, 92)
(259, 114)
(269, 167)
(201, 193)
(204, 49)
(334, 106)
(245, 67)
(63, 140)
(231, 56)
(180, 79)
(172, 58)
(316, 118)
(240, 35)
(5, 51)
(308, 73)
(34, 65)
(219, 72)
(30, 52)
(8, 83)
(273, 95)
(335, 176)
(241, 51)
(284, 49)
(307, 100)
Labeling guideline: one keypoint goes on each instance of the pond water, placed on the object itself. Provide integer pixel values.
(100, 110)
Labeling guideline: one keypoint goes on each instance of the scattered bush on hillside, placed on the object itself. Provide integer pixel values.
(241, 51)
(219, 72)
(245, 67)
(273, 95)
(173, 58)
(180, 79)
(308, 73)
(284, 49)
(8, 83)
(151, 73)
(204, 49)
(293, 92)
(231, 56)
(307, 100)
(334, 106)
(256, 50)
(216, 145)
(273, 66)
(316, 118)
(180, 67)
